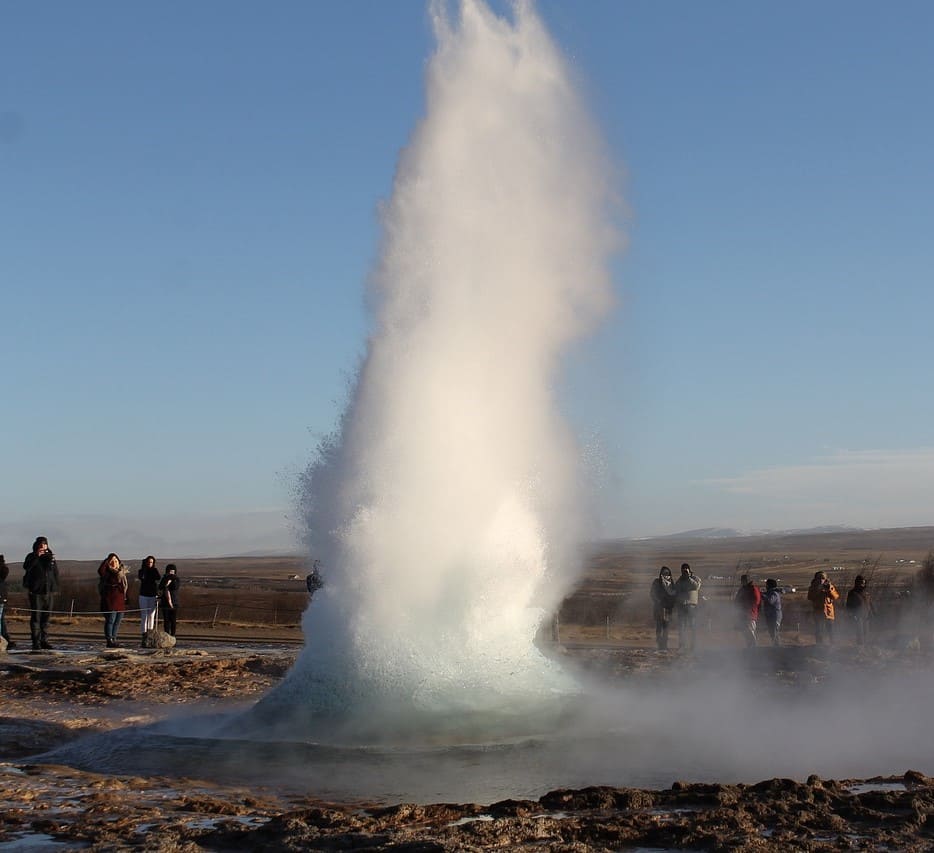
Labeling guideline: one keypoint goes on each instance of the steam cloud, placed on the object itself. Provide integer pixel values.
(445, 507)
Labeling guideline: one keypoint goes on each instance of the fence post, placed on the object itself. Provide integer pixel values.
(556, 628)
(608, 627)
(71, 611)
(214, 620)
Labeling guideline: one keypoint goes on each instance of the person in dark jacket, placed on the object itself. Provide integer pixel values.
(41, 582)
(663, 599)
(113, 589)
(168, 586)
(4, 574)
(772, 610)
(149, 578)
(859, 608)
(747, 599)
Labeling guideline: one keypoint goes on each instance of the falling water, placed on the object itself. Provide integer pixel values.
(445, 507)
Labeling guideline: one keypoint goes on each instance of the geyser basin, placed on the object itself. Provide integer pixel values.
(711, 720)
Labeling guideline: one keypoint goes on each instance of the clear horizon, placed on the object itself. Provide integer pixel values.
(191, 209)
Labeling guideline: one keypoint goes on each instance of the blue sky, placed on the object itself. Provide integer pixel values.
(189, 196)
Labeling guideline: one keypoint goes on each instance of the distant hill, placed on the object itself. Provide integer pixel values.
(920, 539)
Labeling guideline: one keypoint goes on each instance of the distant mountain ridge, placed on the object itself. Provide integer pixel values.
(733, 533)
(720, 539)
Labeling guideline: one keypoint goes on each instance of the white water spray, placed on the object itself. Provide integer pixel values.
(447, 508)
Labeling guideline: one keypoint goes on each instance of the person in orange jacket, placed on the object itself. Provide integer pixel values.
(822, 594)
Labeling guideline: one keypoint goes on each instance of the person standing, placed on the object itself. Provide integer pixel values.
(822, 594)
(859, 608)
(4, 574)
(113, 589)
(924, 601)
(686, 597)
(748, 598)
(41, 582)
(313, 580)
(168, 586)
(149, 578)
(772, 610)
(663, 599)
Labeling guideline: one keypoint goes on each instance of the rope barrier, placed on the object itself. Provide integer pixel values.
(70, 612)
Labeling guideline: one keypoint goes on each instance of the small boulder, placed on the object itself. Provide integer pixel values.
(158, 639)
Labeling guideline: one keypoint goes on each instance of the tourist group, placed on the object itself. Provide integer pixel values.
(157, 591)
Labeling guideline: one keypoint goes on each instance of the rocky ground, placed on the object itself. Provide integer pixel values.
(50, 698)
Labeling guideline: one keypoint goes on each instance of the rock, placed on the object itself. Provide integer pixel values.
(157, 639)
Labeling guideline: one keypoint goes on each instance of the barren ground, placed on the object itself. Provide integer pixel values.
(50, 698)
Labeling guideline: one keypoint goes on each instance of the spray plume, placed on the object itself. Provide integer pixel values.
(445, 507)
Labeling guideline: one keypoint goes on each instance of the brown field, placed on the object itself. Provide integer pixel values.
(264, 597)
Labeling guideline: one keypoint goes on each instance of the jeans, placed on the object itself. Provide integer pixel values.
(775, 628)
(147, 612)
(112, 620)
(748, 627)
(823, 628)
(687, 626)
(3, 631)
(40, 607)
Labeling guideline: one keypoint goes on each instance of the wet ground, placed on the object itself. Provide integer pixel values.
(51, 699)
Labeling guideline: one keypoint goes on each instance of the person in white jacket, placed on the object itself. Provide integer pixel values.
(686, 596)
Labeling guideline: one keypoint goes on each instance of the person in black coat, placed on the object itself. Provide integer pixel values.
(149, 578)
(663, 599)
(859, 608)
(41, 582)
(4, 574)
(168, 586)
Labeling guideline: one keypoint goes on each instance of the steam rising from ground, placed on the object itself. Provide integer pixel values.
(444, 509)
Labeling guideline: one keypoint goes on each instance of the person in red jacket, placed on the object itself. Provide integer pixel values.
(748, 598)
(112, 585)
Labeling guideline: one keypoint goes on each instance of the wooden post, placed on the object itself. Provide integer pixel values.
(71, 611)
(214, 620)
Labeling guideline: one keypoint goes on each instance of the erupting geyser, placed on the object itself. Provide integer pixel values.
(446, 508)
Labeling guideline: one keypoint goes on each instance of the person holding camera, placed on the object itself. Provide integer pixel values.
(686, 596)
(822, 594)
(41, 582)
(663, 599)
